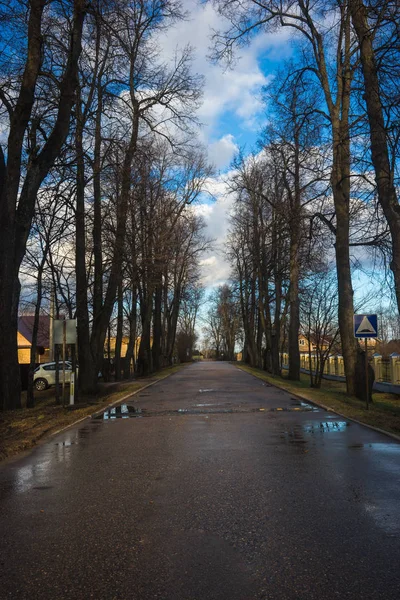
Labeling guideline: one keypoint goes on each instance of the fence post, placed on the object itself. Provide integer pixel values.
(377, 360)
(395, 368)
(326, 367)
(331, 364)
(340, 366)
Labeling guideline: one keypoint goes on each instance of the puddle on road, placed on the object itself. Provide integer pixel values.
(64, 443)
(124, 411)
(300, 405)
(326, 427)
(294, 436)
(216, 410)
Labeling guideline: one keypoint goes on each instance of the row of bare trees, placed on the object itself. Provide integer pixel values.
(98, 174)
(222, 322)
(325, 179)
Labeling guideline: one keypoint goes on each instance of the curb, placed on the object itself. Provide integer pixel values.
(328, 408)
(115, 403)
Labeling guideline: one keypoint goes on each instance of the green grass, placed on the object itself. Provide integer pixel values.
(384, 411)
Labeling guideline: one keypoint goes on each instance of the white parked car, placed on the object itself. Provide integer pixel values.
(45, 374)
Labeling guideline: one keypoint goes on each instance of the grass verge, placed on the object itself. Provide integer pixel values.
(384, 411)
(22, 429)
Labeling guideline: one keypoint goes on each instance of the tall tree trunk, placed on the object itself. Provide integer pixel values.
(101, 321)
(379, 146)
(275, 337)
(340, 180)
(30, 400)
(294, 308)
(340, 184)
(87, 377)
(157, 321)
(145, 358)
(172, 325)
(294, 269)
(118, 339)
(130, 351)
(97, 224)
(15, 221)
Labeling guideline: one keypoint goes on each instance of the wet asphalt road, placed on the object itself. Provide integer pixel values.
(209, 493)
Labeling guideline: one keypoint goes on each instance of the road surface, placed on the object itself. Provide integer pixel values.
(213, 486)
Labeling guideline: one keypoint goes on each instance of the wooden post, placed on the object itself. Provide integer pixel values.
(366, 374)
(64, 353)
(74, 384)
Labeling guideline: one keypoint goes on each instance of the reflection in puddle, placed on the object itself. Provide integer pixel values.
(124, 411)
(29, 475)
(309, 406)
(294, 436)
(299, 405)
(326, 427)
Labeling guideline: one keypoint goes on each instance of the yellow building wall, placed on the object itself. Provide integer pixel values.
(24, 351)
(124, 347)
(304, 346)
(24, 356)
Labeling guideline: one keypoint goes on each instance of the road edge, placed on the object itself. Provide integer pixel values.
(327, 408)
(107, 406)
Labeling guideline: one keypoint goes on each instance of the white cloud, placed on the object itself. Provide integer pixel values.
(234, 90)
(220, 153)
(214, 265)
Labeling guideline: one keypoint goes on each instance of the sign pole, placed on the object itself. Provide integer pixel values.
(366, 326)
(64, 353)
(72, 389)
(366, 374)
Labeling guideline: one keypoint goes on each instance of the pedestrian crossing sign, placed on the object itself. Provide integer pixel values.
(365, 326)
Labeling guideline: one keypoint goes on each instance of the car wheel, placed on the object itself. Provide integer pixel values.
(40, 385)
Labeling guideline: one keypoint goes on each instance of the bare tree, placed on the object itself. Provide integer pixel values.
(151, 96)
(325, 30)
(34, 143)
(319, 319)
